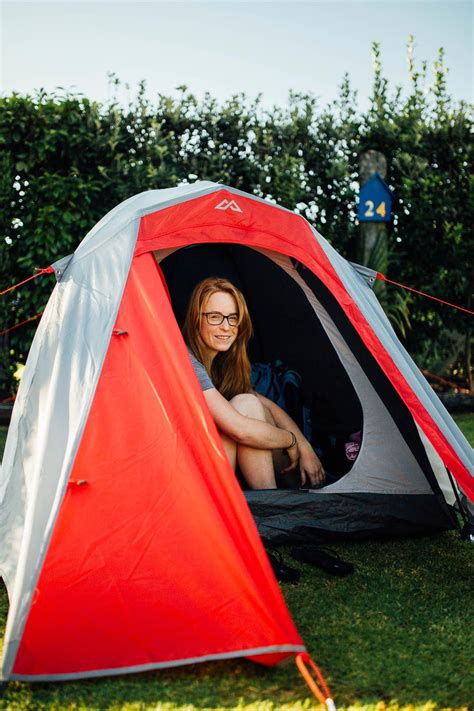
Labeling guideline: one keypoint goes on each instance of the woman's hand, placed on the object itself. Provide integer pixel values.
(310, 466)
(294, 457)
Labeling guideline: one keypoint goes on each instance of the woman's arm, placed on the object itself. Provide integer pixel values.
(310, 464)
(248, 430)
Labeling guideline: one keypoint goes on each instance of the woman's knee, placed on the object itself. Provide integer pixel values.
(249, 405)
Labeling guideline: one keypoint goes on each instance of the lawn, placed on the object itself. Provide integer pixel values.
(396, 634)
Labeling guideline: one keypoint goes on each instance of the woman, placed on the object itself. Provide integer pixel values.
(217, 330)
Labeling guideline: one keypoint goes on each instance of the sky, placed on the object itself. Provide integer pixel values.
(227, 47)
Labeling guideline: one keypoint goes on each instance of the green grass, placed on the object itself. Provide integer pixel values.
(396, 634)
(465, 423)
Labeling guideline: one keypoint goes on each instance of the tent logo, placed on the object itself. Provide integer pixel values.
(228, 205)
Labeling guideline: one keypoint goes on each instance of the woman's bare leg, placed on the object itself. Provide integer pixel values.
(256, 464)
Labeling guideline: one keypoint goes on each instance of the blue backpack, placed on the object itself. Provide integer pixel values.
(284, 387)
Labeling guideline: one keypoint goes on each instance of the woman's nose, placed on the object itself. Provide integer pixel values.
(225, 325)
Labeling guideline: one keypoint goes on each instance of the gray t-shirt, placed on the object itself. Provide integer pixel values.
(202, 375)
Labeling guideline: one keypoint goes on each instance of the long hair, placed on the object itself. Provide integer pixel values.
(229, 370)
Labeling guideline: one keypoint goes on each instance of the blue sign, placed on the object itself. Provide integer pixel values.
(375, 201)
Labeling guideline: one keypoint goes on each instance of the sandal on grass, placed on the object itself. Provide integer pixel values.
(283, 572)
(328, 561)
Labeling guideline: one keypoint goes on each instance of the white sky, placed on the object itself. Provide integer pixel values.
(227, 47)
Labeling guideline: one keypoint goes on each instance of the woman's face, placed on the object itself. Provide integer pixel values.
(219, 338)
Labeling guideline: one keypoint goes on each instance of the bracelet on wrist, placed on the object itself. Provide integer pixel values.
(293, 441)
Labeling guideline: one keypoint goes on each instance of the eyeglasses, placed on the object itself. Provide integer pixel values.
(214, 318)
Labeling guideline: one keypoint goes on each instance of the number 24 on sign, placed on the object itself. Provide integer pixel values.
(380, 210)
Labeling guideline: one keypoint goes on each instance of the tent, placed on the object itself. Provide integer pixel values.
(126, 542)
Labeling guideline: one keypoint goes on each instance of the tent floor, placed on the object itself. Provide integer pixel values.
(308, 516)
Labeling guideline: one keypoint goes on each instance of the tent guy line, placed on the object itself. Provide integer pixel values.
(423, 293)
(302, 659)
(39, 270)
(22, 323)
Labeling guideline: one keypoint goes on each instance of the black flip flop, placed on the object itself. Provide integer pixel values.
(328, 561)
(283, 572)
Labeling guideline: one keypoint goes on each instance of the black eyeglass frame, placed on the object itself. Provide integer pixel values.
(217, 313)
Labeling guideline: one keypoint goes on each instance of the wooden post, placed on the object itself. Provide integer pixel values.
(372, 162)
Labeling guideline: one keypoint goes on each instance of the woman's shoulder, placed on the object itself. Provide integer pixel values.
(202, 375)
